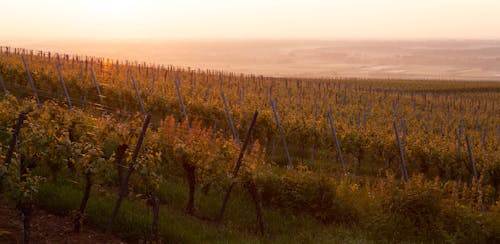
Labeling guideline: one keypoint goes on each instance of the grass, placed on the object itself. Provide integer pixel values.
(134, 219)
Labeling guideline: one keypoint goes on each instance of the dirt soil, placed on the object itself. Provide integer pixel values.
(47, 228)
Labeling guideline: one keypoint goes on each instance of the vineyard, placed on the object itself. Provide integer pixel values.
(171, 154)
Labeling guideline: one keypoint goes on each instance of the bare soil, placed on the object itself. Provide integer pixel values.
(47, 228)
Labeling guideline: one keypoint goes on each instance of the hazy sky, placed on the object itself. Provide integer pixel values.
(149, 19)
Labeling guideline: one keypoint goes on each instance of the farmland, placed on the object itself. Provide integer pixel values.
(154, 152)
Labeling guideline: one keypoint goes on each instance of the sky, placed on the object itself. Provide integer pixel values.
(249, 19)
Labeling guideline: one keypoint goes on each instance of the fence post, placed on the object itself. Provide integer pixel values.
(229, 117)
(207, 93)
(313, 146)
(94, 79)
(3, 84)
(459, 137)
(404, 131)
(30, 79)
(153, 82)
(474, 171)
(280, 130)
(178, 88)
(404, 171)
(237, 166)
(138, 95)
(64, 85)
(473, 162)
(124, 183)
(13, 143)
(498, 139)
(483, 137)
(337, 143)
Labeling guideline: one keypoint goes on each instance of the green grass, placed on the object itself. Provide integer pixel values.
(175, 226)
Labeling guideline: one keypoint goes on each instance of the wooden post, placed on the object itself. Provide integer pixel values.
(207, 94)
(229, 117)
(313, 146)
(474, 172)
(358, 122)
(337, 143)
(472, 161)
(138, 95)
(483, 137)
(155, 204)
(30, 79)
(13, 143)
(237, 166)
(365, 117)
(3, 84)
(25, 207)
(153, 82)
(179, 94)
(404, 171)
(94, 79)
(64, 85)
(257, 199)
(498, 132)
(280, 130)
(124, 183)
(459, 137)
(404, 131)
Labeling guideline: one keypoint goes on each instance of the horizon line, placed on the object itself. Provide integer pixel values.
(253, 39)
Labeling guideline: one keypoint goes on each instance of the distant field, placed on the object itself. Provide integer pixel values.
(444, 59)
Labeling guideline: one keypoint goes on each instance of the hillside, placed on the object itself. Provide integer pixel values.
(323, 162)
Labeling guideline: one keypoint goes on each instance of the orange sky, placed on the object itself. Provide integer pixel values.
(149, 19)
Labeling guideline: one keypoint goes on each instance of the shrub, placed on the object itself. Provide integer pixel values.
(306, 192)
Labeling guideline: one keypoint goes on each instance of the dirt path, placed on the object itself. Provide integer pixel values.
(47, 228)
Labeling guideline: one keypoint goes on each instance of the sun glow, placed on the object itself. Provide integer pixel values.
(112, 10)
(155, 19)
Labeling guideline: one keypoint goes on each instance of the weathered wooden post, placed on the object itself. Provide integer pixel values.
(124, 183)
(404, 171)
(280, 130)
(237, 167)
(459, 137)
(229, 117)
(64, 85)
(471, 157)
(179, 94)
(13, 143)
(138, 95)
(2, 83)
(30, 79)
(337, 142)
(153, 82)
(94, 79)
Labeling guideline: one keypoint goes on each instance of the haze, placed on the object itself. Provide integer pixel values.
(445, 39)
(312, 19)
